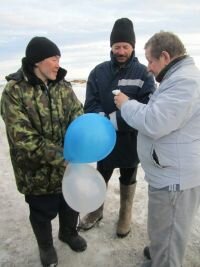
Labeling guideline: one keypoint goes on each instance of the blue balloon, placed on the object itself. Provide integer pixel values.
(89, 138)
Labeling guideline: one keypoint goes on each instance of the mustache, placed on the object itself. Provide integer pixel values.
(119, 56)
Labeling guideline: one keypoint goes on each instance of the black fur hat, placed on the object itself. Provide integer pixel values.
(40, 48)
(123, 31)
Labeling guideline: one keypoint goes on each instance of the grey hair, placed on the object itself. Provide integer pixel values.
(165, 41)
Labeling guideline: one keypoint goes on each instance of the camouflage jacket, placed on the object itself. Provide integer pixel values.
(36, 119)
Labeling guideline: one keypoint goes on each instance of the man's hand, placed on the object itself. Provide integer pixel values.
(120, 99)
(65, 163)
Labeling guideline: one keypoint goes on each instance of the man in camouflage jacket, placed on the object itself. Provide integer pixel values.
(37, 106)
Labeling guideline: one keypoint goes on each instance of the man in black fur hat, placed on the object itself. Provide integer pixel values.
(123, 72)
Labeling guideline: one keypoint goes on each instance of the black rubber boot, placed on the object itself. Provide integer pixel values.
(74, 240)
(68, 231)
(43, 234)
(48, 257)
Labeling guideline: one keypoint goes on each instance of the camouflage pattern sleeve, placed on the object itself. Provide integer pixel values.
(35, 134)
(70, 98)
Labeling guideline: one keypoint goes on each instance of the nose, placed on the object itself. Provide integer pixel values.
(57, 64)
(121, 51)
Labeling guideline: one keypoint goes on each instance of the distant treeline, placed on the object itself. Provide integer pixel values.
(78, 81)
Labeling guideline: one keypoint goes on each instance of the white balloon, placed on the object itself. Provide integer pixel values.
(83, 187)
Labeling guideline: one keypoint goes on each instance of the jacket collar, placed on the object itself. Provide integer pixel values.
(162, 73)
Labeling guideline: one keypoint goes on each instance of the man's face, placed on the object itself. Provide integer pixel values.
(155, 65)
(122, 51)
(47, 69)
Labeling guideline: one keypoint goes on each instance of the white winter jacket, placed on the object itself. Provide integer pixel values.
(169, 128)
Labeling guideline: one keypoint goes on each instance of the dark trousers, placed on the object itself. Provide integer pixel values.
(43, 209)
(127, 175)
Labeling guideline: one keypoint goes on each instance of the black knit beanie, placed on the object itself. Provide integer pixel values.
(123, 32)
(40, 48)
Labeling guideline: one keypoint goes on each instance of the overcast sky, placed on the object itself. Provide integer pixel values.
(81, 28)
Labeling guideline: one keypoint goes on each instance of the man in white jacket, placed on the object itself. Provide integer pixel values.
(168, 147)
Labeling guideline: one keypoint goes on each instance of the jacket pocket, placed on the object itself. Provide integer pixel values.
(156, 159)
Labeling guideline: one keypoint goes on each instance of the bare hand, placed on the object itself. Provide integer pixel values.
(65, 163)
(120, 99)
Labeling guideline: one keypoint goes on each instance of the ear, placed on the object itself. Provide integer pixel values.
(166, 57)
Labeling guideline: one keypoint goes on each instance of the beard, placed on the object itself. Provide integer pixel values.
(122, 60)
